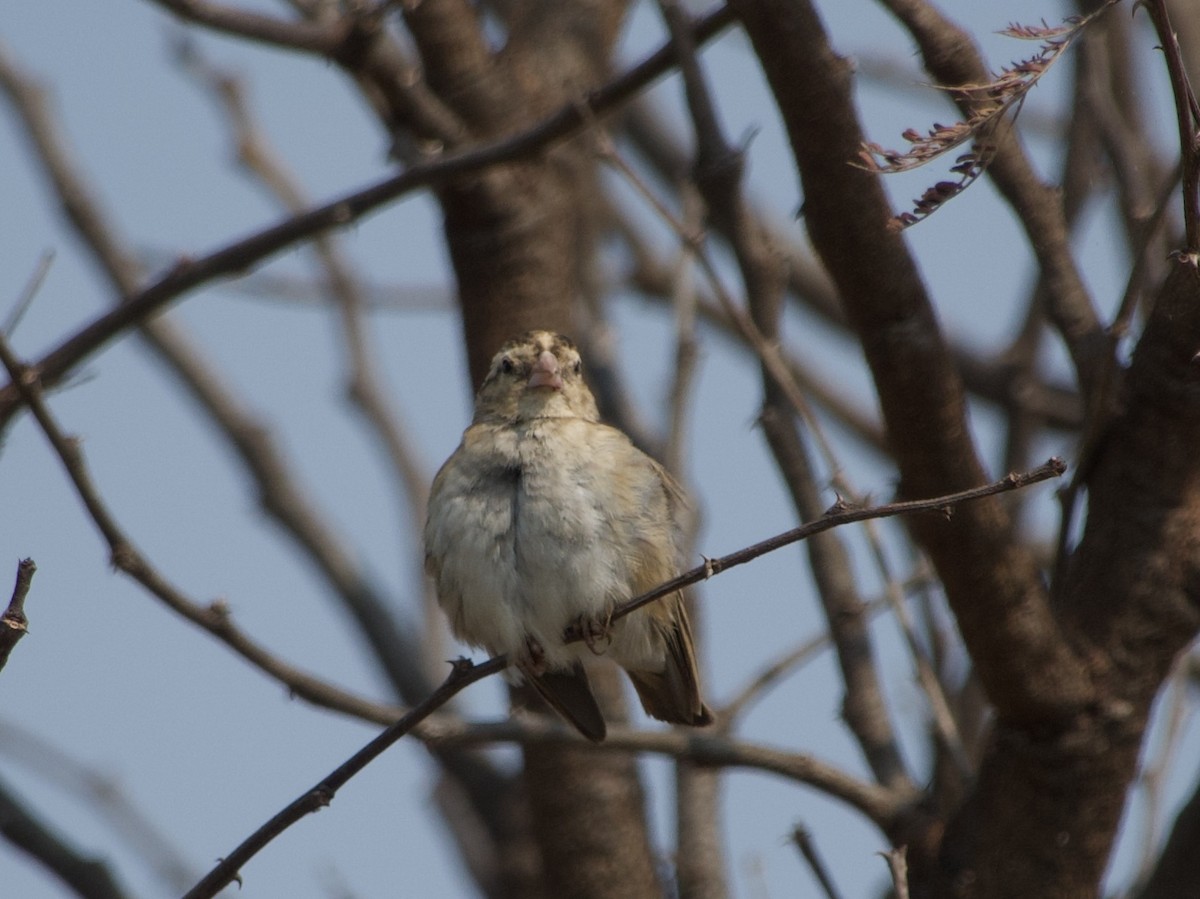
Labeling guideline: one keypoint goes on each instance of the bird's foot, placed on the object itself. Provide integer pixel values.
(597, 632)
(533, 658)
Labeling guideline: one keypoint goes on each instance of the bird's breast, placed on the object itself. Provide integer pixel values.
(536, 537)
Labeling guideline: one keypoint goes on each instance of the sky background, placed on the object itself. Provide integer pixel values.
(204, 745)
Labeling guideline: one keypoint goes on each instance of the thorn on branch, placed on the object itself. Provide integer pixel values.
(220, 611)
(897, 861)
(124, 558)
(839, 505)
(460, 667)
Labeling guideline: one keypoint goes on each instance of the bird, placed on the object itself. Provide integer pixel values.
(545, 518)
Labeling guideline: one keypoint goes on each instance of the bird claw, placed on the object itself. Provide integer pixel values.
(597, 632)
(533, 658)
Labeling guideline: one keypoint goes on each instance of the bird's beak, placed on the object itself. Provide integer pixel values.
(545, 372)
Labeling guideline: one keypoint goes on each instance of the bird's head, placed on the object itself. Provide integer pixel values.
(536, 375)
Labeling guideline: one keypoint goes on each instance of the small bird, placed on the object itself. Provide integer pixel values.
(545, 518)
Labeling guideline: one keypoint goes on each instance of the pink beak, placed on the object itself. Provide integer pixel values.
(545, 372)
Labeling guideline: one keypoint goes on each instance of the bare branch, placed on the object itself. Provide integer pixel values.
(1187, 113)
(104, 793)
(709, 750)
(86, 877)
(190, 273)
(32, 286)
(836, 517)
(882, 806)
(780, 668)
(804, 842)
(462, 674)
(13, 623)
(279, 492)
(364, 385)
(215, 617)
(991, 580)
(325, 38)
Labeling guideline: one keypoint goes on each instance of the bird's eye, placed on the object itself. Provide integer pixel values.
(578, 366)
(507, 366)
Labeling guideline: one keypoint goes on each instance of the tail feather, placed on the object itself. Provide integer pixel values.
(570, 694)
(673, 694)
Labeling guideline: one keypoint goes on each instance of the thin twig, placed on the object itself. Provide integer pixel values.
(768, 352)
(189, 273)
(1187, 113)
(462, 674)
(84, 876)
(13, 623)
(781, 667)
(837, 516)
(878, 804)
(1135, 287)
(753, 262)
(327, 38)
(104, 793)
(363, 379)
(944, 724)
(465, 673)
(881, 805)
(214, 617)
(32, 286)
(804, 842)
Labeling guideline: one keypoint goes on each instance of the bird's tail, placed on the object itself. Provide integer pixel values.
(570, 694)
(673, 694)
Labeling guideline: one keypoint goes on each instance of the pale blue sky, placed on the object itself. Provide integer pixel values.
(208, 747)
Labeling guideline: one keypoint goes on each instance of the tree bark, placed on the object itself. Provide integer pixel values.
(1072, 684)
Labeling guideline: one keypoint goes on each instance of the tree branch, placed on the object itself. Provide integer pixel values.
(837, 516)
(103, 793)
(188, 274)
(462, 674)
(879, 804)
(86, 877)
(882, 806)
(991, 580)
(13, 623)
(1187, 113)
(215, 617)
(325, 38)
(952, 58)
